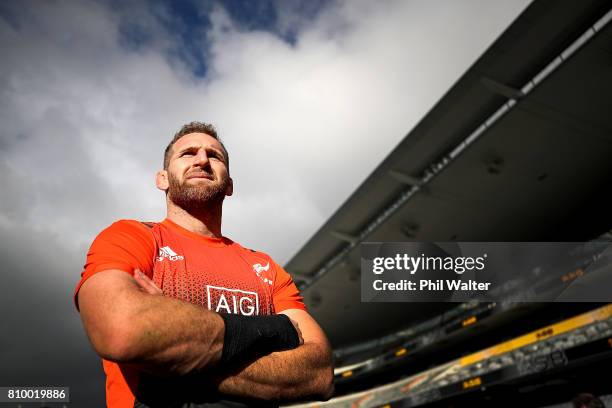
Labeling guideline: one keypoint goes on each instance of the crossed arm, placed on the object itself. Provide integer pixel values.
(128, 322)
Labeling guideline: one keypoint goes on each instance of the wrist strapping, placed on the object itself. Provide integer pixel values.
(247, 336)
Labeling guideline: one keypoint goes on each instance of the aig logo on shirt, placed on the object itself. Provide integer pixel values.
(232, 301)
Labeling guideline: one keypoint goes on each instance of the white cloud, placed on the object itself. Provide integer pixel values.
(85, 120)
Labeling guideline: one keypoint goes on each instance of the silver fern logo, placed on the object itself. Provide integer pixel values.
(259, 269)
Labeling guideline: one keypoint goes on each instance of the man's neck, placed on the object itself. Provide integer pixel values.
(206, 222)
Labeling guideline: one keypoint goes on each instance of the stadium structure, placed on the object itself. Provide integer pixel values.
(519, 149)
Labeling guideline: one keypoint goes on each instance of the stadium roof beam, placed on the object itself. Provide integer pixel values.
(405, 178)
(343, 236)
(502, 89)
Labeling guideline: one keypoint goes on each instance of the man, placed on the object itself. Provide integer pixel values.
(184, 317)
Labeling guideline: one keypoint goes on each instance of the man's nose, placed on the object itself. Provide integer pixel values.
(201, 158)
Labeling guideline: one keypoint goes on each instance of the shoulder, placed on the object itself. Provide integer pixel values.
(242, 248)
(127, 229)
(261, 261)
(130, 225)
(252, 253)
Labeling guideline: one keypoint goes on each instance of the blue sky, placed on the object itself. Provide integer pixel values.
(187, 22)
(308, 96)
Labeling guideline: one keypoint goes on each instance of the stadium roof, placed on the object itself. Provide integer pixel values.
(517, 147)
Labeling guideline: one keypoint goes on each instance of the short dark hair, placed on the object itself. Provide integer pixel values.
(194, 127)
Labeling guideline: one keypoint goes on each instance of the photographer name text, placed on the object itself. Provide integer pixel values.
(432, 285)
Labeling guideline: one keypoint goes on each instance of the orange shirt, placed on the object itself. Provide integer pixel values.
(216, 273)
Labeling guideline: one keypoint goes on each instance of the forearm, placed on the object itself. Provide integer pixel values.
(170, 337)
(158, 334)
(302, 373)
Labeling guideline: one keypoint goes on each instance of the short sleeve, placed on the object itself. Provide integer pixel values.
(285, 294)
(125, 245)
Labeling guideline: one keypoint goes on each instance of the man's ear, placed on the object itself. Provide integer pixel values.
(161, 180)
(230, 188)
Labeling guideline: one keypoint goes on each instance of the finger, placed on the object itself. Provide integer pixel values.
(152, 287)
(146, 284)
(141, 281)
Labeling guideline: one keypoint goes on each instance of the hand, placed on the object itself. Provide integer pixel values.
(146, 284)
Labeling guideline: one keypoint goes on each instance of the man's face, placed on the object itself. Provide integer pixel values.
(197, 174)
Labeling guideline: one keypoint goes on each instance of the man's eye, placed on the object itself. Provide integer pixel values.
(187, 154)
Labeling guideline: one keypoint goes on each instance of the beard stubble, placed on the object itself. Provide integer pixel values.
(197, 197)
